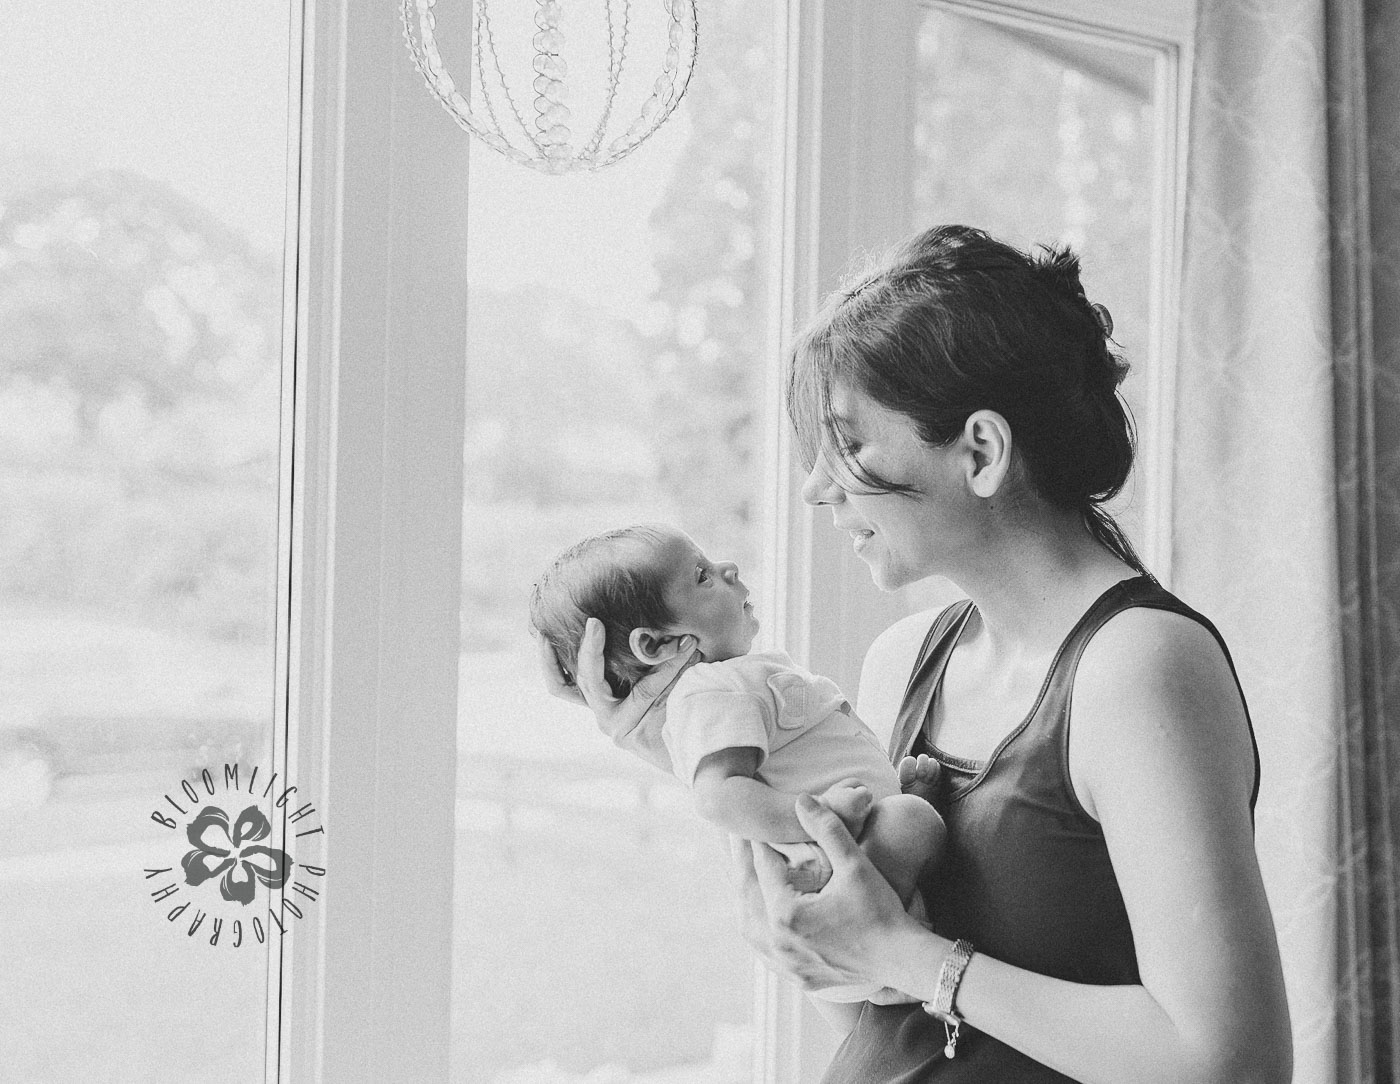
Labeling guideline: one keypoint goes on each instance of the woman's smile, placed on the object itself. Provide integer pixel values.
(860, 536)
(902, 536)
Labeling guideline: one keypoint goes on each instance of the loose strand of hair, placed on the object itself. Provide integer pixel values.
(1110, 535)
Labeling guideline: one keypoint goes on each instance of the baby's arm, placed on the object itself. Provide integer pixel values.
(727, 794)
(900, 834)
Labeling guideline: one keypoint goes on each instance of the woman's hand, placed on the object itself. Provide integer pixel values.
(618, 719)
(839, 936)
(753, 913)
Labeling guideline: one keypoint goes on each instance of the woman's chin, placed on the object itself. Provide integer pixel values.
(882, 575)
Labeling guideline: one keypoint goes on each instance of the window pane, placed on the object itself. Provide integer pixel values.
(1041, 137)
(617, 337)
(142, 198)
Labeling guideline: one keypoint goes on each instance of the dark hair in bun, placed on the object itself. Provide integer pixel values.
(952, 321)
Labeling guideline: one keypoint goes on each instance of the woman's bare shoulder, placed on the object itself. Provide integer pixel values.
(886, 671)
(1154, 682)
(1147, 644)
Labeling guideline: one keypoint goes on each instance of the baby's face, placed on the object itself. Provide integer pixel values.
(708, 600)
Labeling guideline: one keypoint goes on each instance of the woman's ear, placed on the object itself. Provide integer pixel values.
(654, 646)
(987, 436)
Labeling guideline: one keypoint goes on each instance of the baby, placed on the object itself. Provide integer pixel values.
(747, 732)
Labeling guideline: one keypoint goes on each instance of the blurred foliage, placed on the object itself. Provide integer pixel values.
(577, 421)
(1069, 159)
(555, 393)
(139, 384)
(557, 446)
(138, 291)
(712, 258)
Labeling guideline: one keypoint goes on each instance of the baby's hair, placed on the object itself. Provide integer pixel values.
(614, 577)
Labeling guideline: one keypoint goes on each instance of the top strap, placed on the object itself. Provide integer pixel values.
(923, 678)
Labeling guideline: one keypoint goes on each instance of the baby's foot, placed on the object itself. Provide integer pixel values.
(850, 801)
(920, 776)
(808, 868)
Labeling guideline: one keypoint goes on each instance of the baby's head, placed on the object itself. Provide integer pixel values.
(650, 586)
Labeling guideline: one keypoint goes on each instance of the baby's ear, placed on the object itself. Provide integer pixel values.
(654, 646)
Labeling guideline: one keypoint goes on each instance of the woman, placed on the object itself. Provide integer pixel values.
(1100, 916)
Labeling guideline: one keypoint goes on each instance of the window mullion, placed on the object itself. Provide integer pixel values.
(377, 504)
(847, 137)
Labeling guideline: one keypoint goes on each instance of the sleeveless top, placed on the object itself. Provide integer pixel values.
(1027, 876)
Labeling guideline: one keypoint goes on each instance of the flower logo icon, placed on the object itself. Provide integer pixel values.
(236, 854)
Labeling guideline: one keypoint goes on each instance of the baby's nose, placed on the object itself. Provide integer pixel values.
(729, 570)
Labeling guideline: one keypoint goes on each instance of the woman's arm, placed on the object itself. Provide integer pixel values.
(1159, 732)
(842, 1016)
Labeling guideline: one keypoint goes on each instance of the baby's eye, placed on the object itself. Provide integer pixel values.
(700, 574)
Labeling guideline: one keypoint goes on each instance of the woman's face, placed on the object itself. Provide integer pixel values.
(903, 537)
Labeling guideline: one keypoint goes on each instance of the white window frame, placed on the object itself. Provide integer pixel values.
(379, 281)
(374, 484)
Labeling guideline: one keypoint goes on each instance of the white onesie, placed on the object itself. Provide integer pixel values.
(806, 733)
(804, 729)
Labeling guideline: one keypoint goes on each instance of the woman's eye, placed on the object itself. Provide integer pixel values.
(846, 448)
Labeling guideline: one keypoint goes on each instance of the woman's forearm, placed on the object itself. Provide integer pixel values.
(1095, 1034)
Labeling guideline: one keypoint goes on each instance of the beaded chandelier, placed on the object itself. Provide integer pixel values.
(546, 135)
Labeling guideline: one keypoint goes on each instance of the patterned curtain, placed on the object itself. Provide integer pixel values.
(1254, 492)
(1363, 65)
(1286, 492)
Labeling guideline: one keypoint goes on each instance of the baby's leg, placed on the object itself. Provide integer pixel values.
(902, 835)
(808, 866)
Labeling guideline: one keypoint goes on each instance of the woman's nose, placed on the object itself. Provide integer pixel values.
(819, 488)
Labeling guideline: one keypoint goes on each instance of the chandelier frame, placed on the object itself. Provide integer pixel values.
(545, 141)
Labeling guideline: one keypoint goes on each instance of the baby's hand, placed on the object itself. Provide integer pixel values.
(920, 776)
(851, 801)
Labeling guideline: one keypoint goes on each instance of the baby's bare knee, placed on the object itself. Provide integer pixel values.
(903, 836)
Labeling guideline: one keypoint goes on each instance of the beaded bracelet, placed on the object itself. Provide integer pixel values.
(949, 977)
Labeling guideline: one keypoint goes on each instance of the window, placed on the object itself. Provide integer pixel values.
(1040, 122)
(1071, 159)
(616, 372)
(382, 683)
(411, 474)
(143, 194)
